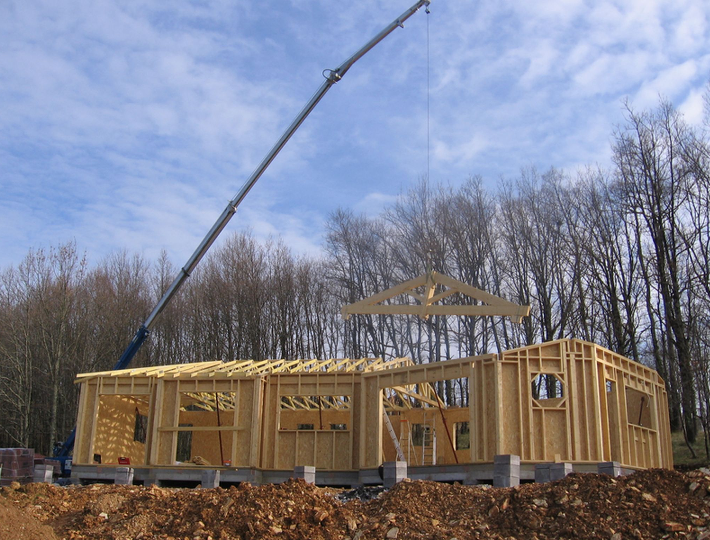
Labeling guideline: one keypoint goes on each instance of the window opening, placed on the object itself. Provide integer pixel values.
(140, 428)
(184, 445)
(314, 403)
(417, 434)
(547, 386)
(463, 435)
(638, 408)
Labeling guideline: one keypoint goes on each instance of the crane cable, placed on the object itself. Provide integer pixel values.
(428, 92)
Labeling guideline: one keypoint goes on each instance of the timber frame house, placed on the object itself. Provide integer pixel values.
(561, 401)
(565, 401)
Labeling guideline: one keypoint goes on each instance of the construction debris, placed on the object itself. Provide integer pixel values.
(655, 503)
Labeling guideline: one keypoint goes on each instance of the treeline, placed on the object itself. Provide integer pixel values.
(59, 318)
(619, 257)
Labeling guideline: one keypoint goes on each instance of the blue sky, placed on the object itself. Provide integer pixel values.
(129, 125)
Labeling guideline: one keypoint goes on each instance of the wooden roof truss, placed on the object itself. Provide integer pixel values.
(250, 368)
(394, 398)
(428, 289)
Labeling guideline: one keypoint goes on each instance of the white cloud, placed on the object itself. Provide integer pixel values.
(130, 125)
(460, 150)
(374, 203)
(668, 84)
(693, 107)
(542, 60)
(690, 29)
(610, 74)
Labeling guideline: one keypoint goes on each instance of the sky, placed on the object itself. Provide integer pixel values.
(130, 125)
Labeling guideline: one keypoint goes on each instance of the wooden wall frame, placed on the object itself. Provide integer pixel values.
(602, 407)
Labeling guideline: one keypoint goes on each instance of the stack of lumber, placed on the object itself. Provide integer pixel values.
(17, 465)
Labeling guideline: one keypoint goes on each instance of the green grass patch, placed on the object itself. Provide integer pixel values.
(682, 456)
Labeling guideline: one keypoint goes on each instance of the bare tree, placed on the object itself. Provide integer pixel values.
(612, 287)
(543, 271)
(16, 369)
(42, 303)
(650, 159)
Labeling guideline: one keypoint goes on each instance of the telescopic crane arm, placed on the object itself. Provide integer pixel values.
(332, 76)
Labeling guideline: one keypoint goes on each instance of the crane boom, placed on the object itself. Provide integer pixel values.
(332, 76)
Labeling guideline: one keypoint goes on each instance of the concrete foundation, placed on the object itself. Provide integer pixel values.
(124, 476)
(612, 468)
(559, 470)
(368, 477)
(210, 479)
(308, 473)
(506, 470)
(542, 473)
(393, 472)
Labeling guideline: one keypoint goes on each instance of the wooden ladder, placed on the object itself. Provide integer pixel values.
(428, 443)
(393, 435)
(405, 438)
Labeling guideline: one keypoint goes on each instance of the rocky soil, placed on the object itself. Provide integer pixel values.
(648, 504)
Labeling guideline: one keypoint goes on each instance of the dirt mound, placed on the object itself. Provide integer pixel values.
(648, 504)
(16, 524)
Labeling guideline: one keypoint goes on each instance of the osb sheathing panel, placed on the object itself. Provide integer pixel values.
(357, 426)
(614, 426)
(167, 414)
(665, 444)
(588, 424)
(86, 422)
(233, 426)
(371, 424)
(206, 444)
(115, 430)
(511, 408)
(639, 406)
(250, 412)
(321, 449)
(332, 448)
(270, 425)
(305, 448)
(290, 420)
(482, 402)
(586, 435)
(287, 446)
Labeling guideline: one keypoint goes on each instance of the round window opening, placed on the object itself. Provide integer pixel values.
(547, 386)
